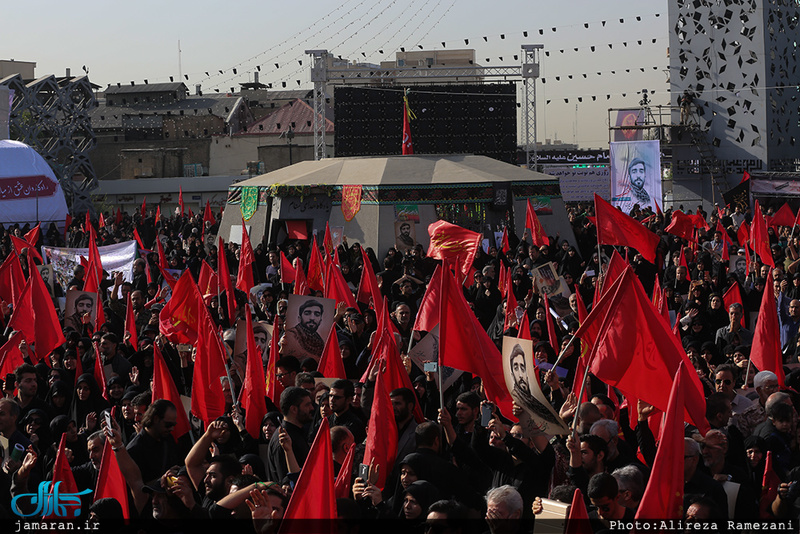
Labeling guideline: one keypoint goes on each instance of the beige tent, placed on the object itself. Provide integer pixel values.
(476, 192)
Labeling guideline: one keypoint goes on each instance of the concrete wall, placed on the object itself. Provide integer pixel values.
(106, 157)
(229, 155)
(4, 111)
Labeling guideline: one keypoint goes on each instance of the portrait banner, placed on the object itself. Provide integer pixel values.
(79, 304)
(548, 282)
(308, 322)
(405, 235)
(426, 351)
(636, 175)
(115, 258)
(520, 377)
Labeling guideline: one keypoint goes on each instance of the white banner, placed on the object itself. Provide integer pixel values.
(580, 184)
(636, 175)
(115, 258)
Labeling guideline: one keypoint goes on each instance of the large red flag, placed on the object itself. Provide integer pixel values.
(315, 265)
(327, 241)
(110, 482)
(274, 386)
(130, 324)
(504, 246)
(331, 364)
(344, 478)
(208, 216)
(368, 286)
(63, 482)
(336, 287)
(451, 242)
(465, 345)
(382, 431)
(580, 368)
(782, 217)
(23, 318)
(743, 234)
(663, 497)
(407, 145)
(208, 281)
(769, 488)
(21, 245)
(759, 239)
(244, 278)
(538, 235)
(12, 279)
(312, 506)
(635, 351)
(428, 313)
(164, 388)
(616, 228)
(225, 283)
(287, 271)
(766, 350)
(578, 520)
(10, 355)
(616, 266)
(253, 386)
(300, 282)
(138, 238)
(731, 296)
(33, 235)
(179, 320)
(208, 402)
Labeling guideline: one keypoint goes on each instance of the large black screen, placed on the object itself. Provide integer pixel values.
(451, 119)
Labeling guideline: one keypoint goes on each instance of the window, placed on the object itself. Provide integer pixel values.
(429, 61)
(401, 62)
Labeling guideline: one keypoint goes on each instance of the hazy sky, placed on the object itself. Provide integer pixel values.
(140, 41)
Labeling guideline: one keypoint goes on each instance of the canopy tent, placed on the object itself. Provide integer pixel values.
(29, 190)
(476, 192)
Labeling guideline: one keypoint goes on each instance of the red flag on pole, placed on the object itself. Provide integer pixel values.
(64, 483)
(312, 506)
(578, 519)
(100, 372)
(343, 479)
(382, 431)
(118, 217)
(782, 217)
(759, 239)
(745, 177)
(208, 217)
(33, 235)
(180, 199)
(10, 355)
(300, 283)
(538, 235)
(12, 279)
(327, 241)
(110, 482)
(208, 401)
(179, 320)
(451, 242)
(253, 390)
(505, 247)
(130, 324)
(681, 225)
(164, 388)
(21, 245)
(769, 488)
(733, 295)
(616, 228)
(244, 278)
(336, 287)
(408, 146)
(368, 286)
(208, 281)
(144, 207)
(766, 350)
(101, 223)
(315, 264)
(225, 282)
(428, 313)
(663, 496)
(274, 386)
(331, 364)
(287, 271)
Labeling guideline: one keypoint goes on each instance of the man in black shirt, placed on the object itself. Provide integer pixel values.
(340, 398)
(298, 411)
(154, 449)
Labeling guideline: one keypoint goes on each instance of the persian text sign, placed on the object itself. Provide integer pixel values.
(21, 187)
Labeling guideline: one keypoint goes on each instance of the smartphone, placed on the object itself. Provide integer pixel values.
(363, 472)
(519, 312)
(429, 367)
(107, 417)
(486, 414)
(10, 380)
(590, 272)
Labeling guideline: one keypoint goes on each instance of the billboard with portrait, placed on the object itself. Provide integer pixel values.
(79, 304)
(308, 323)
(636, 175)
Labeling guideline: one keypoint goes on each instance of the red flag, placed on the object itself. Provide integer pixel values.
(733, 295)
(225, 283)
(33, 235)
(336, 287)
(87, 223)
(139, 239)
(769, 488)
(315, 264)
(538, 235)
(635, 351)
(745, 177)
(208, 402)
(208, 281)
(505, 247)
(63, 482)
(10, 355)
(287, 271)
(331, 364)
(682, 261)
(452, 242)
(130, 324)
(101, 223)
(551, 327)
(12, 279)
(525, 327)
(578, 520)
(180, 199)
(179, 320)
(343, 479)
(274, 386)
(253, 386)
(144, 207)
(782, 217)
(244, 278)
(616, 266)
(407, 145)
(580, 368)
(759, 239)
(381, 432)
(110, 482)
(164, 388)
(465, 345)
(208, 216)
(766, 350)
(743, 234)
(726, 242)
(663, 497)
(511, 302)
(699, 221)
(313, 497)
(501, 280)
(616, 228)
(191, 213)
(300, 283)
(368, 286)
(23, 318)
(658, 208)
(428, 313)
(118, 218)
(681, 225)
(20, 245)
(100, 372)
(327, 241)
(158, 214)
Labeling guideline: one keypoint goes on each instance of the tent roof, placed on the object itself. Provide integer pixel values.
(397, 170)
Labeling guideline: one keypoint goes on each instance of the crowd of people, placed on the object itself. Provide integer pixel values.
(454, 470)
